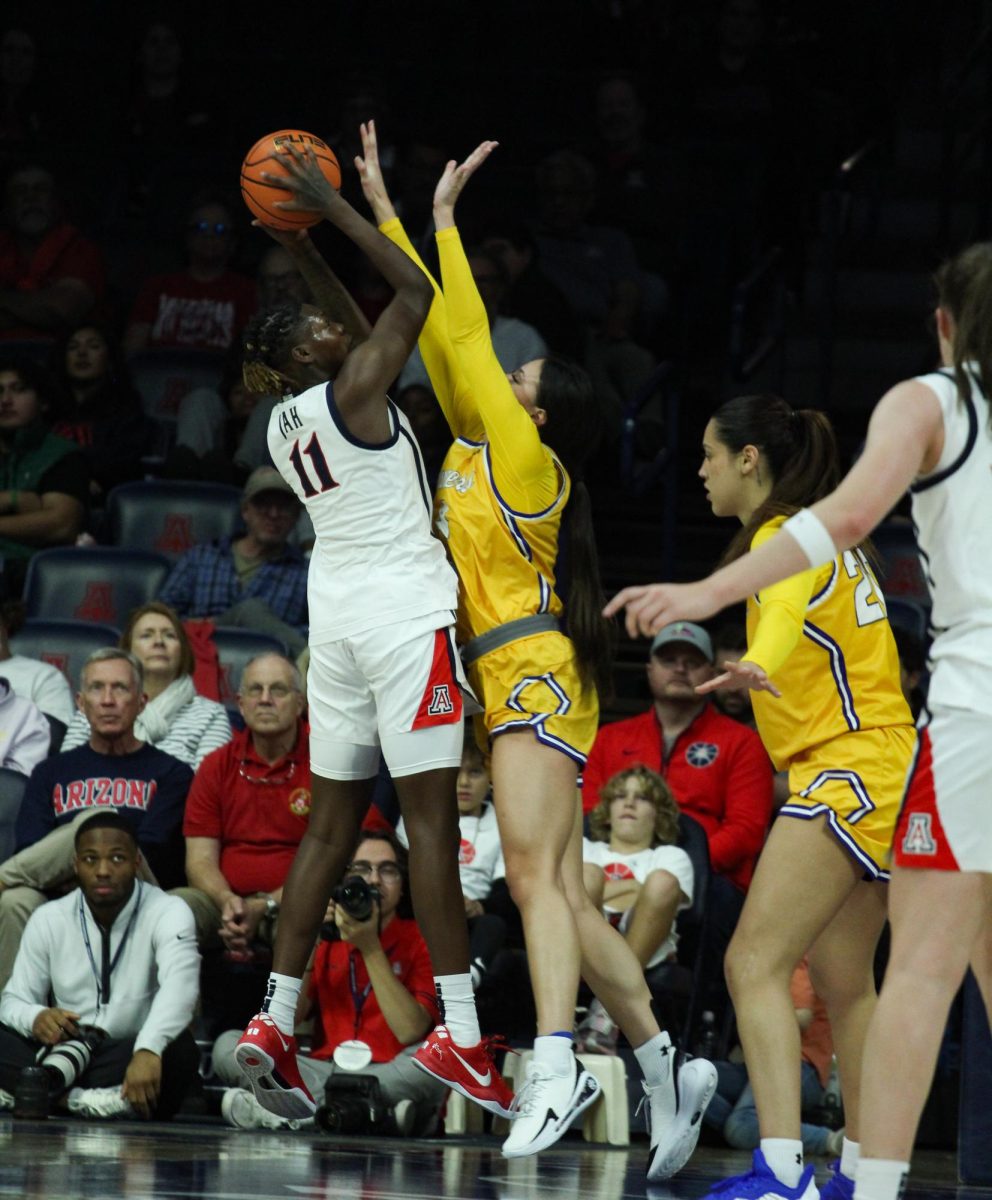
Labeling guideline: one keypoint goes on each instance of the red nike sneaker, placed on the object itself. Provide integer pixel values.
(267, 1058)
(470, 1070)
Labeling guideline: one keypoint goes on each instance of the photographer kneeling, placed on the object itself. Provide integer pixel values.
(370, 989)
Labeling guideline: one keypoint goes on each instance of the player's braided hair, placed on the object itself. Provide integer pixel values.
(267, 341)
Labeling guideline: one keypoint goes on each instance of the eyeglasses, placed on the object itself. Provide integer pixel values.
(213, 228)
(388, 872)
(277, 691)
(276, 780)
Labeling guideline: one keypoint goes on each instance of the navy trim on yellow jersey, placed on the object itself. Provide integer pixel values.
(969, 445)
(335, 413)
(522, 544)
(560, 470)
(827, 588)
(871, 867)
(536, 725)
(838, 668)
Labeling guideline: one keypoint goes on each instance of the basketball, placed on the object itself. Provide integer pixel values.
(260, 195)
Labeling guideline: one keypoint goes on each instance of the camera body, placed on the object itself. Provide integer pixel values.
(357, 897)
(353, 1104)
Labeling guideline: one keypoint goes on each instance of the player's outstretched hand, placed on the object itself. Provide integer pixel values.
(304, 178)
(455, 176)
(370, 174)
(740, 676)
(651, 606)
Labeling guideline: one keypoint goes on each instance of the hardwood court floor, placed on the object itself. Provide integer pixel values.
(73, 1160)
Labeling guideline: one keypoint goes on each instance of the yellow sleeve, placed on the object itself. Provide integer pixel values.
(439, 355)
(782, 610)
(523, 468)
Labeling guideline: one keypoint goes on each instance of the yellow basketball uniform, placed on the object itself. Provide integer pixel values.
(841, 726)
(498, 509)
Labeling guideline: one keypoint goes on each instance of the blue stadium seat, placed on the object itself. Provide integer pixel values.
(163, 377)
(171, 518)
(92, 583)
(64, 644)
(908, 615)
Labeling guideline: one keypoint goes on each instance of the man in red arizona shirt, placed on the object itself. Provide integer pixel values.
(717, 768)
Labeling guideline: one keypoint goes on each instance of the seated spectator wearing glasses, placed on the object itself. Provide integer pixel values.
(247, 811)
(105, 981)
(114, 769)
(257, 581)
(514, 341)
(371, 993)
(204, 306)
(50, 275)
(175, 718)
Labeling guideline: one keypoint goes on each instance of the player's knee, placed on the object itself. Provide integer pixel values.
(659, 890)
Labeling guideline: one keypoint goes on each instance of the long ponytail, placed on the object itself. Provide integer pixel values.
(798, 448)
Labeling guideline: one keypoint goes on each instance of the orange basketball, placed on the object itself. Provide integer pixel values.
(260, 194)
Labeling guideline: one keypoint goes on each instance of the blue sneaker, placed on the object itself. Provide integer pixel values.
(838, 1186)
(761, 1184)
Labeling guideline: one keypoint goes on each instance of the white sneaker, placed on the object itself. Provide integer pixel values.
(405, 1116)
(240, 1109)
(6, 1100)
(674, 1120)
(546, 1105)
(105, 1103)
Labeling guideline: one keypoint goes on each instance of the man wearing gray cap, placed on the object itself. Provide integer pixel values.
(257, 581)
(717, 768)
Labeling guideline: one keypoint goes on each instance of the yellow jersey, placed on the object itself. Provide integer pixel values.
(501, 492)
(823, 638)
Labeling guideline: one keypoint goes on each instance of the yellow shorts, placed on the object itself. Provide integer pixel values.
(857, 781)
(534, 684)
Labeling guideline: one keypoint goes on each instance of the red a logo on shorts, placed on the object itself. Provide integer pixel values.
(177, 534)
(919, 839)
(97, 604)
(440, 704)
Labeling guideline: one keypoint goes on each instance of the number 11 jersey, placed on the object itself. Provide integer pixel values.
(375, 560)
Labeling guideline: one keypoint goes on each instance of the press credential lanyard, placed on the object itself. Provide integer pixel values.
(108, 963)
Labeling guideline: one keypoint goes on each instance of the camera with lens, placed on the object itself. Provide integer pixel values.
(357, 897)
(353, 1104)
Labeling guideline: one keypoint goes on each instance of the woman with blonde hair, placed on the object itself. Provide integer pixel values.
(175, 719)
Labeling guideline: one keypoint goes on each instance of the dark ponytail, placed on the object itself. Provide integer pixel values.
(797, 448)
(572, 431)
(964, 289)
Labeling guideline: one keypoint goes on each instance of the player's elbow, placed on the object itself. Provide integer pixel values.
(851, 527)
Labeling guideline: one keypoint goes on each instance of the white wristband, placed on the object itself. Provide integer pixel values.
(813, 537)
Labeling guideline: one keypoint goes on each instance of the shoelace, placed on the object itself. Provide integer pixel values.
(666, 1052)
(525, 1101)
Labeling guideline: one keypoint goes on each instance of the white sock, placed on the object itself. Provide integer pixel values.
(456, 999)
(281, 996)
(880, 1179)
(849, 1155)
(655, 1058)
(785, 1159)
(554, 1051)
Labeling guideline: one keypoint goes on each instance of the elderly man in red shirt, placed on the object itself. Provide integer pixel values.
(717, 768)
(247, 811)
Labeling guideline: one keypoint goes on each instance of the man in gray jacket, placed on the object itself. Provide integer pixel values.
(119, 963)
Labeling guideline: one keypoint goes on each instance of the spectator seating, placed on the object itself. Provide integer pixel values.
(163, 377)
(64, 644)
(92, 583)
(909, 615)
(679, 985)
(12, 784)
(901, 570)
(235, 649)
(171, 518)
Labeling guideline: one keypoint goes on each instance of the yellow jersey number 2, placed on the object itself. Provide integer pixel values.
(869, 605)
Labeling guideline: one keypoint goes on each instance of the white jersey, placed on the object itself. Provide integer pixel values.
(375, 560)
(954, 534)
